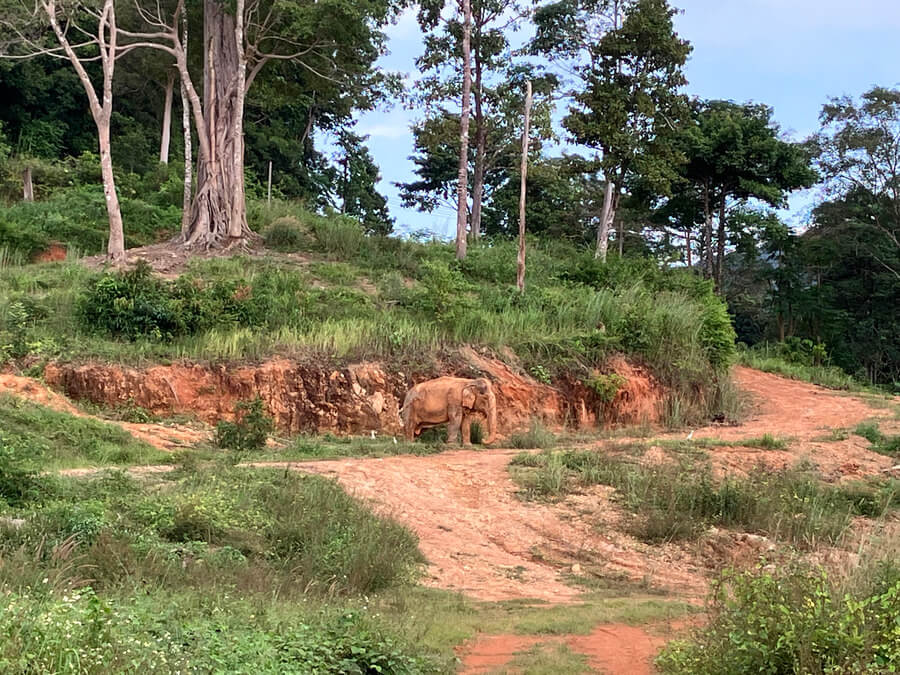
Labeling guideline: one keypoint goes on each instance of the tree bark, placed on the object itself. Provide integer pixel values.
(101, 111)
(27, 185)
(463, 176)
(167, 119)
(218, 214)
(188, 151)
(707, 234)
(720, 246)
(687, 248)
(480, 144)
(620, 237)
(603, 225)
(520, 266)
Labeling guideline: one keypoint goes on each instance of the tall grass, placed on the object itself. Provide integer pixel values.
(673, 501)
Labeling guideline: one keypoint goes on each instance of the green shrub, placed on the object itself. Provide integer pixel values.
(790, 620)
(250, 430)
(287, 233)
(19, 481)
(605, 386)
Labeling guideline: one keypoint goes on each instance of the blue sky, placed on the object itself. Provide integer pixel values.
(789, 54)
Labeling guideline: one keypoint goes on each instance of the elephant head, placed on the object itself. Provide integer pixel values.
(478, 396)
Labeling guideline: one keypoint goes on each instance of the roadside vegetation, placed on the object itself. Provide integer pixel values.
(680, 499)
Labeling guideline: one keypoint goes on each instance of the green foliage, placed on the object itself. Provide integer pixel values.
(791, 620)
(765, 358)
(605, 386)
(250, 430)
(82, 631)
(19, 481)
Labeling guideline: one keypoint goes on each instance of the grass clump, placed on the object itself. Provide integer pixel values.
(771, 359)
(286, 233)
(765, 442)
(676, 501)
(880, 442)
(792, 619)
(537, 436)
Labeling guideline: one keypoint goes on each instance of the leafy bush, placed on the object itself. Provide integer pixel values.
(250, 430)
(791, 620)
(287, 233)
(605, 386)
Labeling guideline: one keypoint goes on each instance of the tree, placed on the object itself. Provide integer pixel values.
(97, 32)
(733, 154)
(858, 153)
(462, 182)
(628, 62)
(356, 181)
(320, 37)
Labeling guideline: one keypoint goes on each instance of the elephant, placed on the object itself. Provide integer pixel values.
(452, 401)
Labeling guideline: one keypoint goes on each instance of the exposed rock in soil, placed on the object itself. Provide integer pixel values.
(353, 399)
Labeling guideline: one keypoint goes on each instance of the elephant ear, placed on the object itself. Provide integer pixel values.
(468, 396)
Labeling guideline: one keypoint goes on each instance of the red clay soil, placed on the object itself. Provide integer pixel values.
(482, 540)
(613, 648)
(162, 437)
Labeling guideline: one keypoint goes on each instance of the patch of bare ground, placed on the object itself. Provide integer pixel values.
(160, 436)
(614, 648)
(473, 528)
(169, 259)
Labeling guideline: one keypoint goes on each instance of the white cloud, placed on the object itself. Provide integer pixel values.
(386, 130)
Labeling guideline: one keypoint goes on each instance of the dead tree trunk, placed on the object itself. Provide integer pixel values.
(480, 144)
(27, 185)
(520, 267)
(218, 214)
(167, 119)
(603, 225)
(463, 175)
(687, 248)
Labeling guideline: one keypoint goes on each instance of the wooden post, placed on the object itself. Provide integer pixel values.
(269, 192)
(520, 271)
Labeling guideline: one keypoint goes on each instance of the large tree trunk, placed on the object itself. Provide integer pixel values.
(480, 146)
(27, 185)
(218, 214)
(167, 120)
(463, 175)
(606, 216)
(188, 160)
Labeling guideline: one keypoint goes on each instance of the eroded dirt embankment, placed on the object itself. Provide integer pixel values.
(354, 399)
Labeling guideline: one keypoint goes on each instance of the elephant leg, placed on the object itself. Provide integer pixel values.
(467, 430)
(409, 429)
(453, 426)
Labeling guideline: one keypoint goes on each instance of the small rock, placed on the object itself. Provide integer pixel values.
(576, 569)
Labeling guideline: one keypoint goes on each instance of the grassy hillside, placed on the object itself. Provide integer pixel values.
(325, 289)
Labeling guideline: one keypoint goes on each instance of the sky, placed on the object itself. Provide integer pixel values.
(789, 54)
